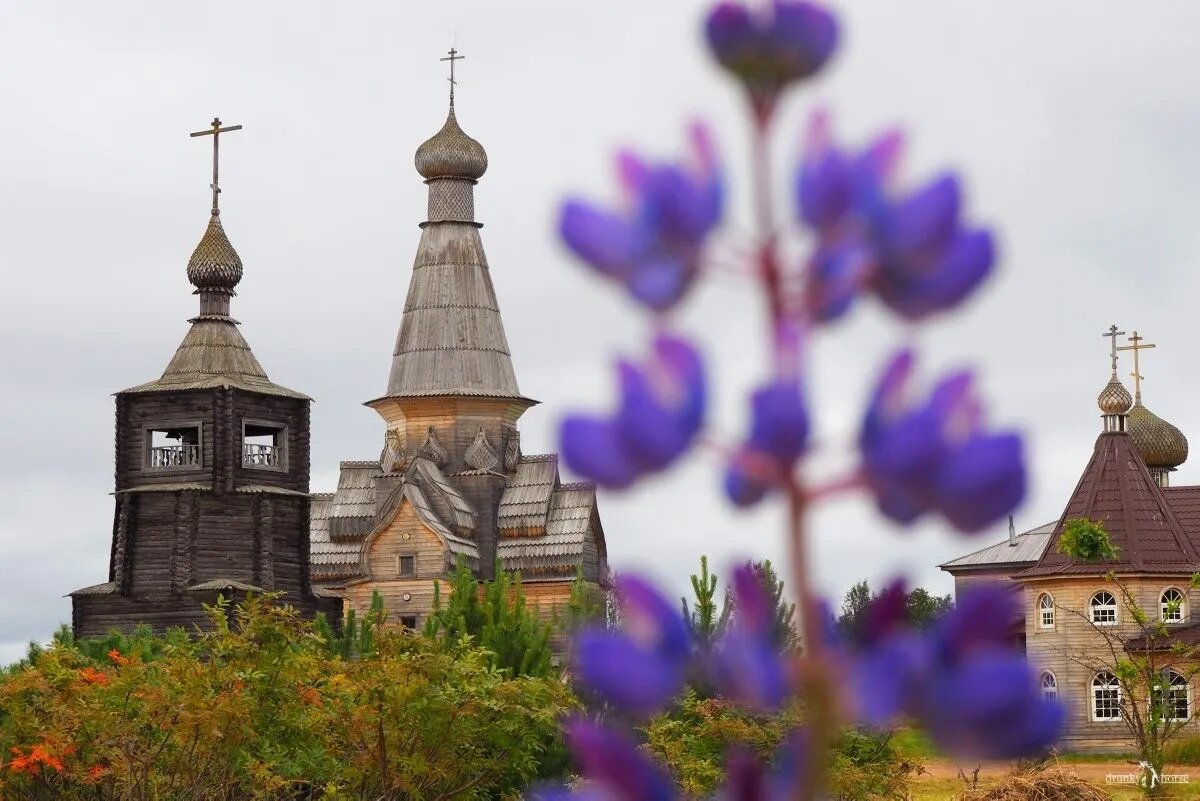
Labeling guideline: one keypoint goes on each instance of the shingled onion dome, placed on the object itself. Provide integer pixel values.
(214, 269)
(1162, 446)
(450, 153)
(1114, 402)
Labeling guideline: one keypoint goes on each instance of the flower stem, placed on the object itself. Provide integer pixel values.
(813, 679)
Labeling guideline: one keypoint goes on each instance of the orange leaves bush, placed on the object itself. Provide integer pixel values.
(265, 709)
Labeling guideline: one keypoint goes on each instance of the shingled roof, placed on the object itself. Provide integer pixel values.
(1116, 489)
(329, 559)
(571, 512)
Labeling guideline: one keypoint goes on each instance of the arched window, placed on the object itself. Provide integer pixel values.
(1049, 686)
(1172, 696)
(1106, 697)
(1104, 609)
(1046, 611)
(1171, 606)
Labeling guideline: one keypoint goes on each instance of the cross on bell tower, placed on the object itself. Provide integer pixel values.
(452, 57)
(215, 132)
(1136, 347)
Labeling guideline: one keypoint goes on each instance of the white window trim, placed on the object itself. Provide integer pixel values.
(1187, 688)
(1091, 696)
(1114, 606)
(1183, 616)
(1042, 684)
(1042, 624)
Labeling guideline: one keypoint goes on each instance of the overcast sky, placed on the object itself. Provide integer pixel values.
(1075, 122)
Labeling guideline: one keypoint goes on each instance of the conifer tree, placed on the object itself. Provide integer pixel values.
(703, 620)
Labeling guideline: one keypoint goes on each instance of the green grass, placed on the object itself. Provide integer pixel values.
(914, 744)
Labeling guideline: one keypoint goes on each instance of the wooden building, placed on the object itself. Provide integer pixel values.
(212, 475)
(1075, 622)
(451, 482)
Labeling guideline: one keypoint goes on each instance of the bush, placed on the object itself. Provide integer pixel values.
(693, 739)
(264, 709)
(1182, 751)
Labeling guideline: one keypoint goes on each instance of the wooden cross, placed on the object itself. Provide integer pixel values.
(1112, 334)
(215, 132)
(1137, 372)
(454, 56)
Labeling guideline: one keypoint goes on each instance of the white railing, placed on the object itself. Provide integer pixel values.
(175, 456)
(260, 455)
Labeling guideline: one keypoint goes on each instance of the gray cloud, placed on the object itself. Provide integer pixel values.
(1073, 121)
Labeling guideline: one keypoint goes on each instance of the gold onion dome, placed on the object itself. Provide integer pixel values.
(1159, 443)
(1114, 398)
(450, 153)
(214, 265)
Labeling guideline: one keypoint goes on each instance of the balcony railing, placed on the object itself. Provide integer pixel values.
(168, 456)
(260, 455)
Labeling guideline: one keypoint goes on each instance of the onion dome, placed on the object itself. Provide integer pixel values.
(215, 265)
(1114, 398)
(1159, 443)
(450, 153)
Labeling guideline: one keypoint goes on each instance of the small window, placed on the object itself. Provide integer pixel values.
(173, 448)
(1104, 609)
(263, 445)
(1049, 686)
(1106, 697)
(1046, 611)
(406, 566)
(408, 621)
(1171, 695)
(1171, 606)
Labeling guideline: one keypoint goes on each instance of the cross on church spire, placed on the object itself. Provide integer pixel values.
(215, 132)
(1112, 333)
(452, 57)
(1136, 347)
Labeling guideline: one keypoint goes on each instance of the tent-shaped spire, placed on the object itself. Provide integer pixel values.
(1116, 489)
(451, 340)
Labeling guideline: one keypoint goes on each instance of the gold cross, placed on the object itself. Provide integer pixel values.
(454, 56)
(1113, 333)
(215, 132)
(1137, 372)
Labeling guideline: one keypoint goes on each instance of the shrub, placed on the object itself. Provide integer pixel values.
(1182, 751)
(263, 709)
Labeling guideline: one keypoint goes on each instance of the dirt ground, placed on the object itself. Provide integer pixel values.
(941, 781)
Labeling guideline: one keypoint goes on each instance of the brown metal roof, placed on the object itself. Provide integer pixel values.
(1116, 489)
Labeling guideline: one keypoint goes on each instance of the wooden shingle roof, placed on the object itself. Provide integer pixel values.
(1116, 489)
(451, 339)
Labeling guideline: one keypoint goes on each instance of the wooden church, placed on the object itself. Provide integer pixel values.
(212, 473)
(451, 483)
(1076, 625)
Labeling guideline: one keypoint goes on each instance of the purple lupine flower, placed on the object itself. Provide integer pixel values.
(746, 665)
(660, 413)
(779, 433)
(936, 456)
(641, 668)
(768, 49)
(653, 244)
(613, 766)
(748, 779)
(913, 251)
(962, 680)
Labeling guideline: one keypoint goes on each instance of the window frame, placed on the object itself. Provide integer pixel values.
(282, 439)
(1182, 610)
(416, 621)
(1052, 695)
(1171, 689)
(1108, 686)
(1041, 611)
(148, 446)
(400, 557)
(1093, 607)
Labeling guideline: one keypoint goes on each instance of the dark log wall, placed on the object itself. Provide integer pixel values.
(233, 522)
